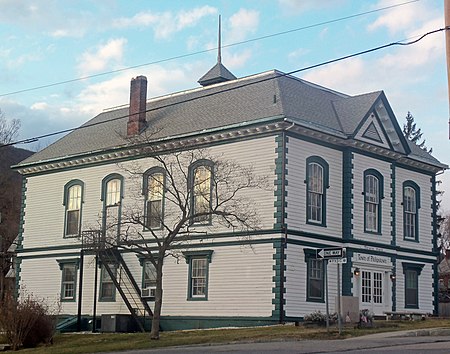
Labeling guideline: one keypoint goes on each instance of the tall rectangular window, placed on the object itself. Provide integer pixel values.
(107, 287)
(198, 262)
(148, 280)
(315, 192)
(373, 194)
(366, 287)
(69, 270)
(411, 204)
(201, 192)
(315, 283)
(112, 195)
(411, 289)
(199, 268)
(73, 200)
(154, 207)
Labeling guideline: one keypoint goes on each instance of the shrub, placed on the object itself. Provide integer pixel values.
(26, 322)
(320, 318)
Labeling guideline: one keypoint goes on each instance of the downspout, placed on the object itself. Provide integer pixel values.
(283, 220)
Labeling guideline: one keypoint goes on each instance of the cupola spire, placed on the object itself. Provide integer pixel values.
(218, 73)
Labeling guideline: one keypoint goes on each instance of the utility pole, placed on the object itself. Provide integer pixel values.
(447, 45)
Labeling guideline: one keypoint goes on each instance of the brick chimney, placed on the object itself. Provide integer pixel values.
(138, 105)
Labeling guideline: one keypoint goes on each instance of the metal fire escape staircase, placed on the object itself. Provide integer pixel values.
(120, 274)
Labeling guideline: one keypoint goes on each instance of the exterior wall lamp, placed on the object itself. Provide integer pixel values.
(392, 276)
(356, 272)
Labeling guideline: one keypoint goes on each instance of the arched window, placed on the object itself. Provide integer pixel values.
(200, 175)
(316, 185)
(154, 182)
(73, 200)
(373, 194)
(411, 205)
(112, 194)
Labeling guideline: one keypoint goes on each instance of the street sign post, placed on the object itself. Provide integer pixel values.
(336, 255)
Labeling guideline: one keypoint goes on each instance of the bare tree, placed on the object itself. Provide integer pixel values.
(184, 190)
(444, 232)
(8, 129)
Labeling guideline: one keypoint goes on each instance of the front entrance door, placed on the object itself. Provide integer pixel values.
(372, 291)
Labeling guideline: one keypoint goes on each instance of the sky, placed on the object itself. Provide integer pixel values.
(64, 61)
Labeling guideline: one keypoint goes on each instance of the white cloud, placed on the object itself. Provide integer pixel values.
(402, 18)
(291, 7)
(166, 23)
(39, 106)
(103, 57)
(242, 23)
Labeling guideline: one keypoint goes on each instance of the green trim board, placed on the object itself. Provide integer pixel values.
(280, 182)
(279, 279)
(393, 206)
(394, 284)
(347, 274)
(347, 195)
(20, 236)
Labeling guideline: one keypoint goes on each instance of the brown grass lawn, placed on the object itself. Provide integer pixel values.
(101, 342)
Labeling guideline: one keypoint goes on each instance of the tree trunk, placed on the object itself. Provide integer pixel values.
(154, 334)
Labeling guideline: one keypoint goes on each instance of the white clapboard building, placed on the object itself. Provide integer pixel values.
(342, 176)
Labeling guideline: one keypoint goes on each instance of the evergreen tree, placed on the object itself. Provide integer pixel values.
(414, 134)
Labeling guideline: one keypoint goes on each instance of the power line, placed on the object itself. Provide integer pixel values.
(205, 50)
(399, 43)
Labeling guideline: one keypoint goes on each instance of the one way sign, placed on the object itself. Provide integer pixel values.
(327, 253)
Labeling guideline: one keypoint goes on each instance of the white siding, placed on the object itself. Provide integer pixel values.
(296, 273)
(360, 164)
(239, 284)
(425, 211)
(298, 152)
(425, 289)
(44, 212)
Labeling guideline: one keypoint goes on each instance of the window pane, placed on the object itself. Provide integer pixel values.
(149, 275)
(315, 192)
(198, 276)
(107, 285)
(68, 281)
(72, 222)
(202, 193)
(410, 212)
(377, 288)
(154, 214)
(411, 289)
(113, 192)
(315, 281)
(371, 198)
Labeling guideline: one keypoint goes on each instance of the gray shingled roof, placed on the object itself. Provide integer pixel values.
(266, 95)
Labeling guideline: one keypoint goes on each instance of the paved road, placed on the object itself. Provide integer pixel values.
(414, 342)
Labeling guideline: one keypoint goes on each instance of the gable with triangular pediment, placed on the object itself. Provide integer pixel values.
(371, 131)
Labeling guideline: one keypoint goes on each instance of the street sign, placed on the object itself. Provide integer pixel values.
(337, 260)
(330, 253)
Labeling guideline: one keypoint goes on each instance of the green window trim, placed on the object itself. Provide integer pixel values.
(101, 297)
(412, 270)
(145, 191)
(414, 187)
(378, 205)
(63, 265)
(191, 185)
(118, 204)
(321, 194)
(66, 202)
(192, 257)
(310, 260)
(143, 261)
